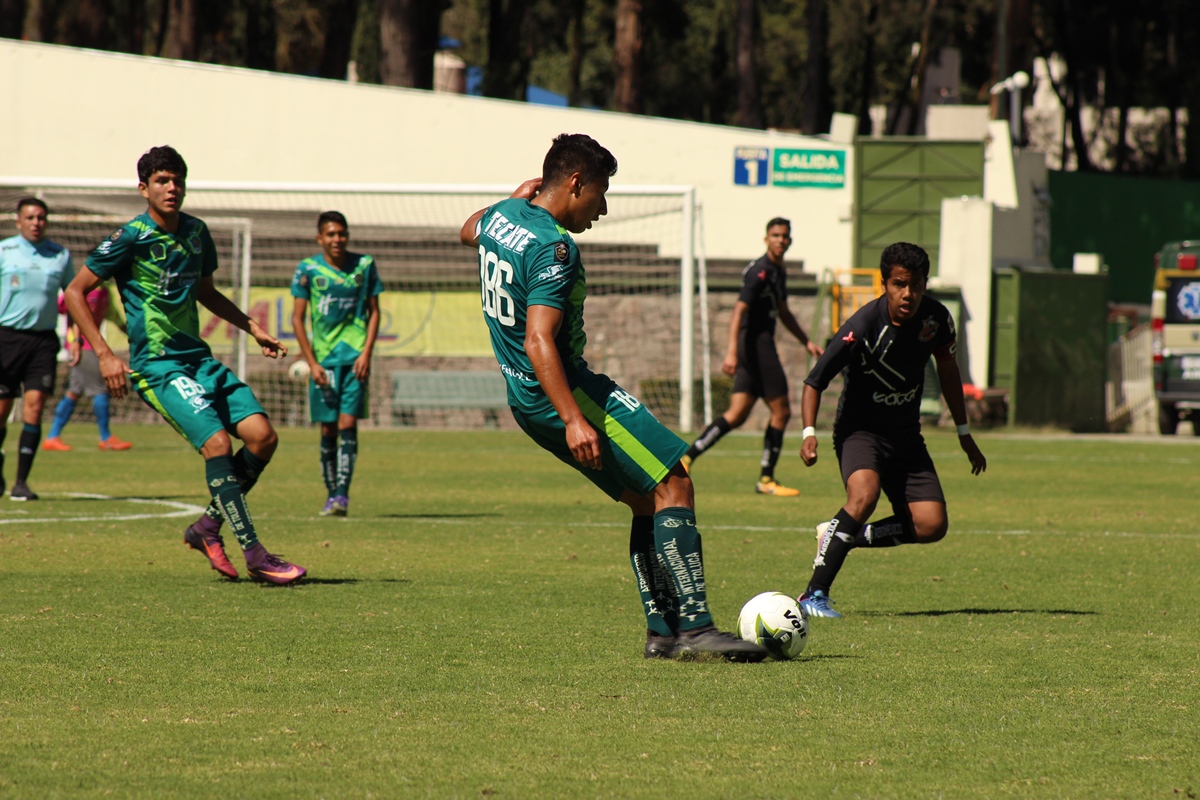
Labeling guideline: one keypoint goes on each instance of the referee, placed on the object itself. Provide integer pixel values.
(32, 271)
(753, 361)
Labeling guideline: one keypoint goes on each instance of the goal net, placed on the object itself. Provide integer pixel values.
(433, 362)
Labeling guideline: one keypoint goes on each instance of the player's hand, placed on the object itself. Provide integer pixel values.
(362, 367)
(113, 369)
(584, 443)
(529, 189)
(729, 365)
(319, 375)
(271, 347)
(815, 349)
(808, 451)
(978, 462)
(76, 351)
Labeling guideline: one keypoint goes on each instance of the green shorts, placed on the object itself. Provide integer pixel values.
(345, 394)
(197, 398)
(636, 449)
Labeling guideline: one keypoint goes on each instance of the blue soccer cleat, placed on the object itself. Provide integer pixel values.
(817, 604)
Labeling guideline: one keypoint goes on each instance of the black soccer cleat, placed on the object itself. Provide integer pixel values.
(20, 492)
(712, 641)
(659, 646)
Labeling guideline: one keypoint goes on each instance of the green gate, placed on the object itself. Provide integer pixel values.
(901, 182)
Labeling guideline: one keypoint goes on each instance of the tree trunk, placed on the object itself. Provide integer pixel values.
(507, 72)
(575, 70)
(814, 102)
(749, 107)
(627, 57)
(180, 41)
(340, 20)
(408, 38)
(867, 85)
(85, 24)
(31, 30)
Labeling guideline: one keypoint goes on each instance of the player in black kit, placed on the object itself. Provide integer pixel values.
(882, 351)
(753, 361)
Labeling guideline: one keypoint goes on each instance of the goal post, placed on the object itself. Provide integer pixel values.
(644, 315)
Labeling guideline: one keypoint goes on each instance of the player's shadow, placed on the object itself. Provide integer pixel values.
(980, 612)
(350, 581)
(828, 657)
(434, 516)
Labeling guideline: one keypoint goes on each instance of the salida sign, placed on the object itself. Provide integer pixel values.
(809, 168)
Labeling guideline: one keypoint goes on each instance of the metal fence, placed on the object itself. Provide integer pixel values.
(1129, 391)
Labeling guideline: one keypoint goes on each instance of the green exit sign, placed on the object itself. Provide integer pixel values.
(809, 168)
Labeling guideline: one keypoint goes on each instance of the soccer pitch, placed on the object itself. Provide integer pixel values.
(473, 630)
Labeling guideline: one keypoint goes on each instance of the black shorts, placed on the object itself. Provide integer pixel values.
(906, 472)
(759, 370)
(28, 359)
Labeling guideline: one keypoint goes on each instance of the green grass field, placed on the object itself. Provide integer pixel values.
(473, 630)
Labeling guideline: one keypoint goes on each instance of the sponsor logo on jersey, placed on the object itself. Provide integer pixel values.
(358, 279)
(144, 234)
(320, 283)
(849, 338)
(561, 251)
(551, 272)
(116, 234)
(929, 329)
(509, 235)
(195, 243)
(514, 373)
(895, 398)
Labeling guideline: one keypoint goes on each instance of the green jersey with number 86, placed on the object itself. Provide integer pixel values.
(527, 259)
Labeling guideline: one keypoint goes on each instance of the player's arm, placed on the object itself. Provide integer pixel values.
(112, 368)
(810, 404)
(541, 326)
(829, 364)
(211, 298)
(469, 234)
(793, 325)
(951, 381)
(299, 316)
(362, 364)
(729, 365)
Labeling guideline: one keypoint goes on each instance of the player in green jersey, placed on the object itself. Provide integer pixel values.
(163, 262)
(532, 287)
(342, 289)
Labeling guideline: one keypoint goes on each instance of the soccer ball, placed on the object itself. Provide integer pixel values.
(775, 621)
(299, 371)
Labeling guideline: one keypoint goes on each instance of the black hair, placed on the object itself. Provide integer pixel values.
(902, 254)
(780, 221)
(332, 216)
(31, 201)
(576, 152)
(160, 159)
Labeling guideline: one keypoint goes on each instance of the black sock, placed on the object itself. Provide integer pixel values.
(3, 433)
(772, 444)
(329, 463)
(247, 467)
(712, 434)
(31, 436)
(838, 541)
(654, 585)
(886, 533)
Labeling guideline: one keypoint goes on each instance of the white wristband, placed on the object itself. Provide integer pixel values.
(964, 429)
(807, 432)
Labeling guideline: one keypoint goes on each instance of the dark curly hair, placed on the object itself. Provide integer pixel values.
(576, 152)
(160, 159)
(902, 254)
(331, 216)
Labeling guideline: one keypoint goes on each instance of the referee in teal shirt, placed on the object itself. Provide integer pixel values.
(32, 271)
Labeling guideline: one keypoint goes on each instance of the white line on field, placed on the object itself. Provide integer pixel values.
(182, 509)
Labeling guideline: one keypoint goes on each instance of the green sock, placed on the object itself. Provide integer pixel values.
(329, 463)
(677, 545)
(654, 585)
(247, 467)
(228, 496)
(347, 456)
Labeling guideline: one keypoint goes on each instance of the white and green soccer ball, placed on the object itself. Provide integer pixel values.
(299, 371)
(775, 621)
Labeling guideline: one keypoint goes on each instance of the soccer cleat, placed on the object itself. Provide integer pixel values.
(659, 646)
(715, 642)
(267, 568)
(55, 443)
(113, 443)
(213, 546)
(336, 506)
(773, 487)
(686, 461)
(20, 493)
(817, 604)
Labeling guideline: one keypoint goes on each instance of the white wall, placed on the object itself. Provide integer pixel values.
(83, 113)
(965, 261)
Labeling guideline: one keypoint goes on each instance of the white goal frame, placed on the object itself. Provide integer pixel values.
(693, 293)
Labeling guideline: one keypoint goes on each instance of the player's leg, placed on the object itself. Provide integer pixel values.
(918, 504)
(64, 410)
(329, 452)
(6, 404)
(781, 414)
(740, 405)
(92, 384)
(323, 405)
(39, 376)
(352, 406)
(11, 369)
(654, 585)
